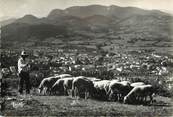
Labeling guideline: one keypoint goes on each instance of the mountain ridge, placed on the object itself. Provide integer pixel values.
(92, 25)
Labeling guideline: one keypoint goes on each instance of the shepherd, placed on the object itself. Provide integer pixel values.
(23, 72)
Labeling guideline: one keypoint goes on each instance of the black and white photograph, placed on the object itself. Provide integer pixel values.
(82, 58)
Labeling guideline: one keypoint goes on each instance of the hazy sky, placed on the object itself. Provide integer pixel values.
(40, 8)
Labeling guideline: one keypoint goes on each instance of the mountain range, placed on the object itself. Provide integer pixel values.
(89, 26)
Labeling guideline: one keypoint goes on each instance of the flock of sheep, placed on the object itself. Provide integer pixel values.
(111, 90)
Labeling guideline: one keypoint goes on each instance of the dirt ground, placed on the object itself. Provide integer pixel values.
(67, 106)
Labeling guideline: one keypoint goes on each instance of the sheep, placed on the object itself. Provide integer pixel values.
(135, 84)
(68, 84)
(80, 86)
(118, 89)
(140, 93)
(101, 88)
(58, 87)
(46, 84)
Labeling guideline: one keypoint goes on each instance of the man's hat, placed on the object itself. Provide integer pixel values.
(23, 53)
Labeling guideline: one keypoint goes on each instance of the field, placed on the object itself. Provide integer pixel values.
(68, 106)
(38, 105)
